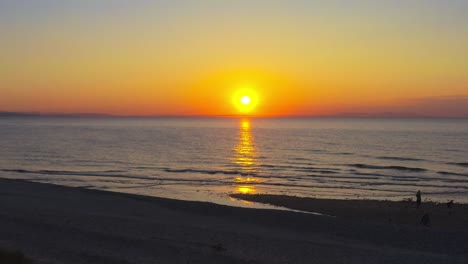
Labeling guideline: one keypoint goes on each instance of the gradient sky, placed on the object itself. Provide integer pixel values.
(184, 57)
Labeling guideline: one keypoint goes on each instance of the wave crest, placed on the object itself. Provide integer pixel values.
(399, 168)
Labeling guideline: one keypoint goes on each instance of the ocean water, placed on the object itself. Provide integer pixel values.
(206, 159)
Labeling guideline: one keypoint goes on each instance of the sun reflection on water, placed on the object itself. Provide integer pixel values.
(246, 189)
(245, 151)
(246, 159)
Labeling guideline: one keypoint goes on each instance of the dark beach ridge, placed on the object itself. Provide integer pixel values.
(58, 224)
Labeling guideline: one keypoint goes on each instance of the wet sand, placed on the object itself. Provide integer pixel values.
(57, 224)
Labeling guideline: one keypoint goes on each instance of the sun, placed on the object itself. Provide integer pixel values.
(245, 99)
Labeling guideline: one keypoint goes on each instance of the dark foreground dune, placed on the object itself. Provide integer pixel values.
(55, 224)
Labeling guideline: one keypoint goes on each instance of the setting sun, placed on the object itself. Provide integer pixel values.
(245, 99)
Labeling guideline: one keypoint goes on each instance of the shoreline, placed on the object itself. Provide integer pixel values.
(59, 224)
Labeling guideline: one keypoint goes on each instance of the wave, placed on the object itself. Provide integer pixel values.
(342, 177)
(202, 171)
(415, 185)
(107, 173)
(325, 171)
(61, 172)
(209, 171)
(283, 166)
(300, 159)
(355, 172)
(451, 173)
(358, 182)
(409, 178)
(328, 152)
(315, 150)
(400, 168)
(398, 158)
(326, 185)
(301, 168)
(462, 164)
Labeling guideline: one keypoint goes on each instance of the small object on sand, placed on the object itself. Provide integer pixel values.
(418, 199)
(450, 204)
(219, 247)
(425, 220)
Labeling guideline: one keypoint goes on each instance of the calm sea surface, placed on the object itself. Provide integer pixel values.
(208, 158)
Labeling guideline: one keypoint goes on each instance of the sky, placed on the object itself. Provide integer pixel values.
(192, 57)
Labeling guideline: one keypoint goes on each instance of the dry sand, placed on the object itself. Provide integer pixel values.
(56, 224)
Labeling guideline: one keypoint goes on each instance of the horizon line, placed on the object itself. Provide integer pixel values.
(338, 115)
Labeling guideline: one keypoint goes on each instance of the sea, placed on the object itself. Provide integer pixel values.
(206, 159)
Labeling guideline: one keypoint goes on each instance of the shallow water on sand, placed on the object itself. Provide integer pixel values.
(207, 158)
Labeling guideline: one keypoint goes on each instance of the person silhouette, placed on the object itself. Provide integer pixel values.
(449, 206)
(418, 199)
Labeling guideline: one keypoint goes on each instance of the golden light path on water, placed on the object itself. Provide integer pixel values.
(246, 158)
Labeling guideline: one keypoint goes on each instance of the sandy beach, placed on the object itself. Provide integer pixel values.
(56, 224)
(405, 212)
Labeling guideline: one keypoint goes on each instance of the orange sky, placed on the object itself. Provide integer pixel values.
(187, 58)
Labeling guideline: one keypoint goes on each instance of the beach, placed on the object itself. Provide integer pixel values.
(58, 224)
(387, 212)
